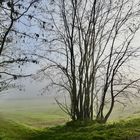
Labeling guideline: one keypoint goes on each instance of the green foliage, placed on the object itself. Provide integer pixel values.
(80, 123)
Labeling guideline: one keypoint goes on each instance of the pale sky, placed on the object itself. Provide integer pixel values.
(31, 86)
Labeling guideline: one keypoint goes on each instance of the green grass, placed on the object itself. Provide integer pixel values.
(35, 113)
(37, 120)
(44, 112)
(123, 130)
(10, 130)
(30, 129)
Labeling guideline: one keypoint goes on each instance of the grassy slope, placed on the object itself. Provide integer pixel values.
(13, 131)
(123, 130)
(41, 114)
(44, 112)
(35, 113)
(72, 131)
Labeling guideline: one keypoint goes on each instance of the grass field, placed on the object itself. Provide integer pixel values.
(32, 119)
(38, 113)
(10, 130)
(44, 112)
(123, 130)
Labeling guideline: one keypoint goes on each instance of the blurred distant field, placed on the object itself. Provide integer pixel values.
(35, 112)
(43, 112)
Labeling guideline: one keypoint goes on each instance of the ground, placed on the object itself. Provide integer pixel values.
(122, 130)
(43, 120)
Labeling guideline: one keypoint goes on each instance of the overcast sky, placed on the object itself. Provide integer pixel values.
(32, 87)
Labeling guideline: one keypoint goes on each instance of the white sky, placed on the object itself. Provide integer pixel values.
(32, 87)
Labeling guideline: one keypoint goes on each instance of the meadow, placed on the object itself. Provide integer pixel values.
(35, 112)
(40, 118)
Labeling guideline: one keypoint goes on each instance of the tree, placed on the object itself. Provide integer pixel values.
(91, 46)
(11, 12)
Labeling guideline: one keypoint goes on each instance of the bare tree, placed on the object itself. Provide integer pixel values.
(11, 11)
(91, 46)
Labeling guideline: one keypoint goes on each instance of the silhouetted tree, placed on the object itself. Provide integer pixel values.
(91, 43)
(11, 11)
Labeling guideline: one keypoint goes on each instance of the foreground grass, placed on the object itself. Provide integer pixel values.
(13, 131)
(33, 118)
(123, 130)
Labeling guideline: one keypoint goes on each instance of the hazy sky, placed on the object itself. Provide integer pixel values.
(32, 87)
